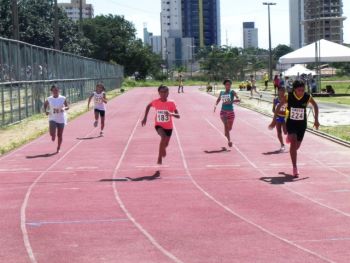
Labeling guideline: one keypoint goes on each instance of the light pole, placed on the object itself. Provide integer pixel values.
(190, 56)
(270, 52)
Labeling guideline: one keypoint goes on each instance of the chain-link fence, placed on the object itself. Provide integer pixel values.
(27, 73)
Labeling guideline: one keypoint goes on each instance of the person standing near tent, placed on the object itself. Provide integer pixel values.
(266, 80)
(276, 84)
(296, 103)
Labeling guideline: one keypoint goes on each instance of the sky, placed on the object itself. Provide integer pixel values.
(233, 14)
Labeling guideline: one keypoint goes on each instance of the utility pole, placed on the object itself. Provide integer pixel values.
(15, 25)
(56, 28)
(270, 51)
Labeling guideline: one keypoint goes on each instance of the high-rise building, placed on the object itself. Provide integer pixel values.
(176, 49)
(201, 21)
(311, 20)
(72, 9)
(187, 25)
(250, 35)
(154, 41)
(296, 16)
(323, 19)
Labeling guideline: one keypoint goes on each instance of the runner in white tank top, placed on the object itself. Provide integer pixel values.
(100, 101)
(55, 107)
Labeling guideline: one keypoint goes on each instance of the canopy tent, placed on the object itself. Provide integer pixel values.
(329, 52)
(297, 70)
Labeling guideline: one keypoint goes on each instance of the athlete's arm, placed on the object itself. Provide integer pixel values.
(273, 105)
(104, 98)
(278, 108)
(46, 105)
(236, 96)
(66, 107)
(217, 102)
(144, 121)
(175, 114)
(314, 104)
(90, 100)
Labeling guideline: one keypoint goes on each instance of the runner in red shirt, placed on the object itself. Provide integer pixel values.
(165, 110)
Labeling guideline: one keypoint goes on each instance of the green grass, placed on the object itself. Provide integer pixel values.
(337, 100)
(39, 129)
(342, 132)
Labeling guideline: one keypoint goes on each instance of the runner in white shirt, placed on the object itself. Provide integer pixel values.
(100, 100)
(55, 107)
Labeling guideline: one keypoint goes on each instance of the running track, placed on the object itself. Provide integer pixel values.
(206, 205)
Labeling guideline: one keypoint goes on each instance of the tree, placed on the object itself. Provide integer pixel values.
(114, 39)
(280, 51)
(36, 26)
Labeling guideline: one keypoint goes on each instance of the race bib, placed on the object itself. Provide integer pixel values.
(98, 100)
(226, 98)
(56, 110)
(163, 116)
(297, 114)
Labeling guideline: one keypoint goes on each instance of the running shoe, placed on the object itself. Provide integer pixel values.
(95, 123)
(283, 148)
(101, 133)
(295, 172)
(230, 144)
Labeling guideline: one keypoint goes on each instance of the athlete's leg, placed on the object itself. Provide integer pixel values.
(279, 133)
(228, 128)
(97, 114)
(162, 144)
(294, 145)
(52, 129)
(60, 129)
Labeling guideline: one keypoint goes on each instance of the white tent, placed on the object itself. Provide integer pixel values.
(329, 52)
(297, 70)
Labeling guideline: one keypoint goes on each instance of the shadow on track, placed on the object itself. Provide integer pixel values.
(90, 138)
(274, 152)
(153, 177)
(223, 149)
(287, 178)
(46, 155)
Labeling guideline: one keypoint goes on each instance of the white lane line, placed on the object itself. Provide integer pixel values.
(233, 212)
(245, 157)
(26, 200)
(324, 240)
(304, 196)
(151, 166)
(126, 211)
(85, 221)
(222, 165)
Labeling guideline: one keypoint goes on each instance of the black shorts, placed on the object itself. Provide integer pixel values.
(101, 112)
(55, 125)
(168, 132)
(296, 127)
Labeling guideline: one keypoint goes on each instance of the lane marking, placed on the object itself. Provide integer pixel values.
(89, 221)
(222, 165)
(324, 240)
(234, 146)
(229, 210)
(126, 211)
(152, 166)
(26, 200)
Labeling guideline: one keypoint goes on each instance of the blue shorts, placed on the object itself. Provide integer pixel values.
(281, 119)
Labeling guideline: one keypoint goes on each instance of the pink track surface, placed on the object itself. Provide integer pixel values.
(207, 205)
